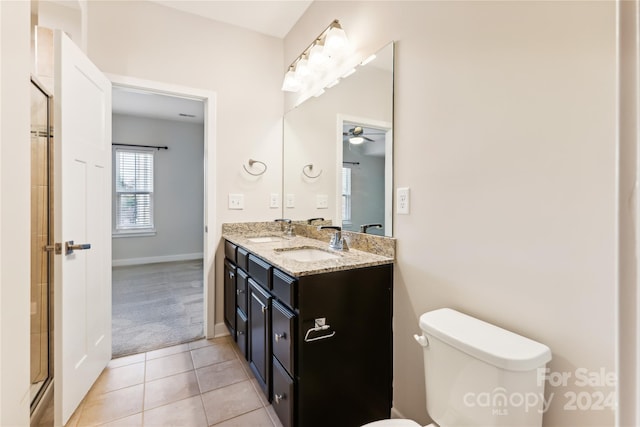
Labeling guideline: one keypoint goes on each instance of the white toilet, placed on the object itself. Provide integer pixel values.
(478, 374)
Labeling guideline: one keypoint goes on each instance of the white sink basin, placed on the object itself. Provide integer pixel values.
(307, 254)
(265, 239)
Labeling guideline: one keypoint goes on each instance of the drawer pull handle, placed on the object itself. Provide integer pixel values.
(279, 397)
(278, 337)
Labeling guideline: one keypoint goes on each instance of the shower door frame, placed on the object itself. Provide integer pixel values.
(47, 383)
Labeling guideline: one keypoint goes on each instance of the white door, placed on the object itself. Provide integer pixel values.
(82, 199)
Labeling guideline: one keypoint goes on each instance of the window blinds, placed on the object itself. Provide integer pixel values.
(134, 189)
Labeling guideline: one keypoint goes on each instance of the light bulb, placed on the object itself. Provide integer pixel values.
(317, 55)
(335, 40)
(302, 68)
(355, 140)
(291, 82)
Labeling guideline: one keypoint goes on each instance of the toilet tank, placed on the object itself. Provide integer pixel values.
(478, 374)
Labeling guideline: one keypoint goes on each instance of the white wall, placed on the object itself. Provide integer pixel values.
(15, 212)
(178, 190)
(505, 131)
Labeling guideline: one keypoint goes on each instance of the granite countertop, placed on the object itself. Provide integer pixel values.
(272, 251)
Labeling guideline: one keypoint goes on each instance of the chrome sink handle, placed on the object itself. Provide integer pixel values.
(285, 226)
(337, 241)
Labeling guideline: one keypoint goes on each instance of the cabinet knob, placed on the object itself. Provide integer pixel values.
(280, 336)
(279, 397)
(264, 309)
(239, 291)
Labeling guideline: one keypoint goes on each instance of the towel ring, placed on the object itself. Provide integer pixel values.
(310, 166)
(251, 162)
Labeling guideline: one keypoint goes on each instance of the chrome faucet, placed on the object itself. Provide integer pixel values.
(286, 227)
(337, 241)
(365, 227)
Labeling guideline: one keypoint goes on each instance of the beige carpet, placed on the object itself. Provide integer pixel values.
(156, 305)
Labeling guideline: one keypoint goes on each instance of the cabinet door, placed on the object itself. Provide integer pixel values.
(230, 297)
(260, 335)
(283, 395)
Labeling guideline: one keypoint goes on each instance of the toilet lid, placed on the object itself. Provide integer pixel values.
(393, 423)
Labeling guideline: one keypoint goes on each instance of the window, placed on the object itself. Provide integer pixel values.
(346, 194)
(133, 191)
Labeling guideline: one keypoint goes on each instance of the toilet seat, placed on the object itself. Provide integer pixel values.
(396, 422)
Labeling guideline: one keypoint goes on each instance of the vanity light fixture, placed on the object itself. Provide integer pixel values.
(316, 67)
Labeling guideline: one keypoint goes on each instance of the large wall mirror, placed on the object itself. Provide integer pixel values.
(338, 150)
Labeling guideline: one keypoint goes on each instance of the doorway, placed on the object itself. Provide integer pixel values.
(158, 220)
(365, 150)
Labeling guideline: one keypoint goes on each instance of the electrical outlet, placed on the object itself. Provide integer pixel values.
(274, 200)
(291, 200)
(402, 207)
(236, 201)
(322, 201)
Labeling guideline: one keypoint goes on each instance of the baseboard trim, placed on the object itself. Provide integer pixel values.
(155, 259)
(220, 330)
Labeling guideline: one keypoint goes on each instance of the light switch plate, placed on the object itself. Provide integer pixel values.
(322, 201)
(274, 200)
(291, 200)
(402, 206)
(236, 201)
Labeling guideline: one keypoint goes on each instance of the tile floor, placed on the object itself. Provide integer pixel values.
(202, 383)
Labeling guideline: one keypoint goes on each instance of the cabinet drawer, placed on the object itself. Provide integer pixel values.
(241, 332)
(241, 290)
(283, 394)
(260, 271)
(230, 251)
(285, 288)
(282, 327)
(242, 258)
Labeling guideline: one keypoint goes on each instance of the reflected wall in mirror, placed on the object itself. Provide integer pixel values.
(327, 175)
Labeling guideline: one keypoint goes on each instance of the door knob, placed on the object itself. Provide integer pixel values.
(69, 247)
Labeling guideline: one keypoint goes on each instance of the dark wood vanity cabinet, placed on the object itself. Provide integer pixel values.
(320, 345)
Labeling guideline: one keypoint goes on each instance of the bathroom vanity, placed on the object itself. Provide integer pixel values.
(314, 326)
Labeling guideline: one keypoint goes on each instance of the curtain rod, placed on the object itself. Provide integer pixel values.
(145, 146)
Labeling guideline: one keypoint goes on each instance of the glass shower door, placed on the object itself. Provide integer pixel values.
(41, 208)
